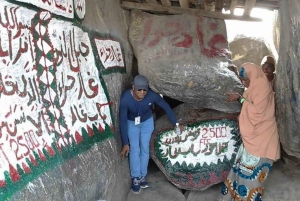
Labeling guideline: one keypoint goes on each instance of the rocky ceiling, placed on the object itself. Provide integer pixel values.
(208, 8)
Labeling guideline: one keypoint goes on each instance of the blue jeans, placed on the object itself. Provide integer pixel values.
(139, 139)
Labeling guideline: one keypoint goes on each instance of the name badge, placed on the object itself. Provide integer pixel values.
(137, 120)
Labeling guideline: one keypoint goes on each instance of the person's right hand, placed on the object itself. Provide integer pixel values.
(181, 128)
(124, 151)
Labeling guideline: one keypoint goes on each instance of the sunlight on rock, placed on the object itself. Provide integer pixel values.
(259, 30)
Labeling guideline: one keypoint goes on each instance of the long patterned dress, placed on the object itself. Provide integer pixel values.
(246, 179)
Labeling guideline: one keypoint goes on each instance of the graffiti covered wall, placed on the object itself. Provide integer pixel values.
(65, 8)
(54, 104)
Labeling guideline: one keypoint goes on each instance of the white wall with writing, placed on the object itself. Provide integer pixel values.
(49, 85)
(64, 8)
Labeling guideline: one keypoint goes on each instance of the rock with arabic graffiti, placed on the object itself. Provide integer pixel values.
(185, 58)
(204, 152)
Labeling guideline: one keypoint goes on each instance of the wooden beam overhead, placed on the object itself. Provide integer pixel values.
(195, 2)
(178, 10)
(249, 4)
(166, 2)
(219, 4)
(203, 5)
(151, 1)
(268, 4)
(262, 4)
(227, 3)
(184, 3)
(233, 5)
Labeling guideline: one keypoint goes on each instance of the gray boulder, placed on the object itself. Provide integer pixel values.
(249, 49)
(185, 58)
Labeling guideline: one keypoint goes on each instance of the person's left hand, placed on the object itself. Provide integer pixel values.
(232, 97)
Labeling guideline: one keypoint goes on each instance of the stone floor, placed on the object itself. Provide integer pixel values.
(283, 185)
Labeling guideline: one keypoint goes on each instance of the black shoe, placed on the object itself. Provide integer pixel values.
(143, 183)
(135, 185)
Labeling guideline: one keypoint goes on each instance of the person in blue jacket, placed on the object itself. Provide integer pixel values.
(136, 127)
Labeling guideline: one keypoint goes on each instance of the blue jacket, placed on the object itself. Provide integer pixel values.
(131, 108)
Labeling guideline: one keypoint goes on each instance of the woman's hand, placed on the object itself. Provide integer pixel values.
(124, 151)
(232, 97)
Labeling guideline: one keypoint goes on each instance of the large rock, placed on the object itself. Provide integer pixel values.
(249, 45)
(185, 57)
(249, 49)
(287, 82)
(204, 152)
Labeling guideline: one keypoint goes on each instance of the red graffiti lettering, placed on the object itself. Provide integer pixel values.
(22, 144)
(15, 147)
(212, 51)
(214, 132)
(179, 38)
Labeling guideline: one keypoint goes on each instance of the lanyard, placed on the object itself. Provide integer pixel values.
(137, 106)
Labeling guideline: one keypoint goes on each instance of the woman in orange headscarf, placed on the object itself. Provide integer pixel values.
(260, 147)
